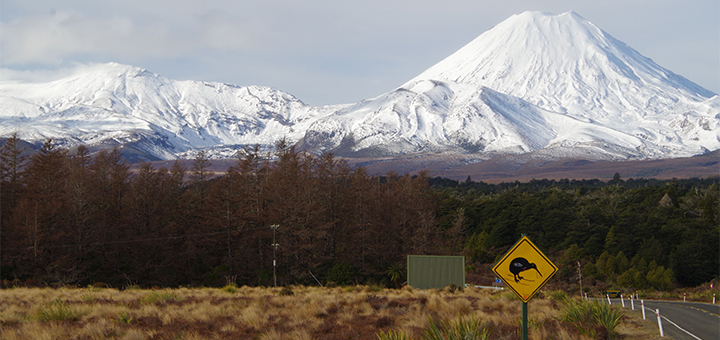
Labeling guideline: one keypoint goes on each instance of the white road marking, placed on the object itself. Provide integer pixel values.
(674, 324)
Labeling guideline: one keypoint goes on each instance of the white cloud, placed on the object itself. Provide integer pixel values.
(46, 75)
(51, 39)
(319, 49)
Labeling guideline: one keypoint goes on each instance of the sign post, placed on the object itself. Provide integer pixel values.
(525, 269)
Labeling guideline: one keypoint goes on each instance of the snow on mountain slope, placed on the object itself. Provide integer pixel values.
(126, 104)
(536, 62)
(565, 63)
(436, 117)
(535, 84)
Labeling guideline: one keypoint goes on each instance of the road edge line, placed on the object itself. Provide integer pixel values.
(678, 327)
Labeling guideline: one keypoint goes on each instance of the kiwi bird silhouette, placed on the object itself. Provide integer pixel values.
(519, 265)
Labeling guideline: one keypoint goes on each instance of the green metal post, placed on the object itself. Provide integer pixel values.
(525, 322)
(524, 316)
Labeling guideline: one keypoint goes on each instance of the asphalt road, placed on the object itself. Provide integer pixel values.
(682, 320)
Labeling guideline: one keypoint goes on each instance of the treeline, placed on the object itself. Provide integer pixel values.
(635, 233)
(72, 218)
(75, 218)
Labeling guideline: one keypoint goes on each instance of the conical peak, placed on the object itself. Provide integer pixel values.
(541, 18)
(562, 63)
(569, 15)
(525, 43)
(531, 20)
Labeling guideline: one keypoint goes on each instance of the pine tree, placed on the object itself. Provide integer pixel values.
(41, 214)
(200, 168)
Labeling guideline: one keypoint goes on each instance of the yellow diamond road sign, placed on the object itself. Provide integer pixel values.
(525, 269)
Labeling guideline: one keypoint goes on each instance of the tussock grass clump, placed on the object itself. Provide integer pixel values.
(471, 329)
(123, 318)
(101, 329)
(393, 335)
(609, 317)
(593, 318)
(160, 297)
(57, 311)
(13, 318)
(231, 288)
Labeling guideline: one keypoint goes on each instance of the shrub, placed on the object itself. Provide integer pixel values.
(557, 295)
(453, 287)
(342, 273)
(231, 288)
(396, 272)
(286, 291)
(101, 285)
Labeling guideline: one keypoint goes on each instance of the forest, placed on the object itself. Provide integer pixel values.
(72, 218)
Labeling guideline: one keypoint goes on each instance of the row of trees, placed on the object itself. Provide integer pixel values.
(69, 217)
(78, 219)
(670, 230)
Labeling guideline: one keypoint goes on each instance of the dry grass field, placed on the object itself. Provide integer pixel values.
(355, 312)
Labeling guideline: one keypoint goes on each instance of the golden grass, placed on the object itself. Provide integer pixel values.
(357, 312)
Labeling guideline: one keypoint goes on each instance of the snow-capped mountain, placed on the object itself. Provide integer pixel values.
(555, 85)
(535, 81)
(123, 105)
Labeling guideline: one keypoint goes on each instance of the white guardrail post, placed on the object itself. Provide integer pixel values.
(632, 302)
(662, 334)
(642, 306)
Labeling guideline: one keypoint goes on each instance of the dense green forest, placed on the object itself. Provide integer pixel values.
(639, 233)
(75, 218)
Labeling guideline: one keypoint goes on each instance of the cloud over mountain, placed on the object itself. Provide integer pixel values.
(533, 82)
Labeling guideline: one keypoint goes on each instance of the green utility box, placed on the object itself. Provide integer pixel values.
(426, 271)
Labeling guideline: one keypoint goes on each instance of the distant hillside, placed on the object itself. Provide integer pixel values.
(518, 168)
(513, 168)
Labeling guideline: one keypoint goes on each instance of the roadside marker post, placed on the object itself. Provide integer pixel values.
(632, 302)
(684, 297)
(662, 334)
(713, 299)
(608, 297)
(622, 300)
(642, 306)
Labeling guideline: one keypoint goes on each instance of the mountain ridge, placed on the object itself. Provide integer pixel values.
(130, 104)
(533, 82)
(567, 65)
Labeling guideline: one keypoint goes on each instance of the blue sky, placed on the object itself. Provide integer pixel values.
(321, 51)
